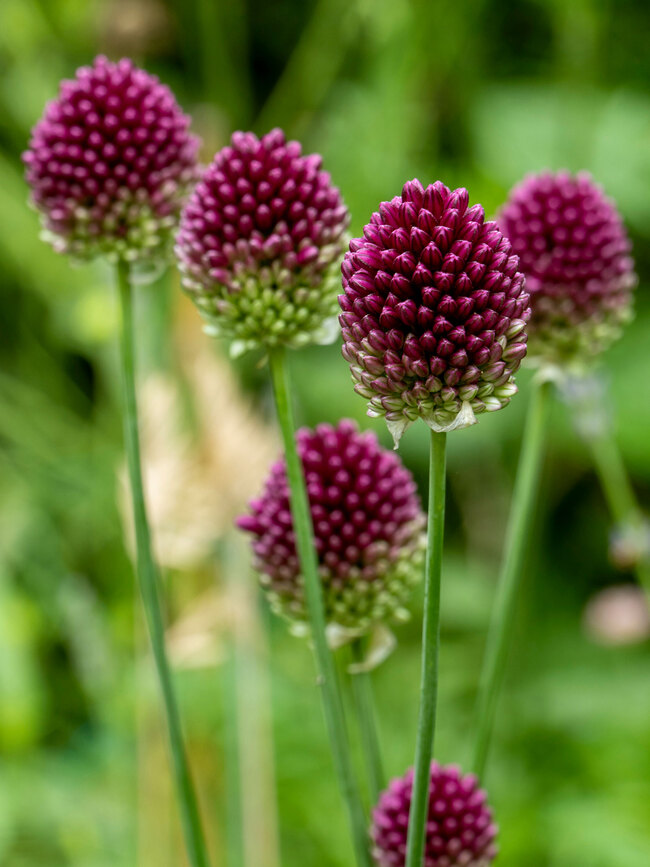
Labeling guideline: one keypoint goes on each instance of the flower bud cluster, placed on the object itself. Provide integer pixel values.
(367, 523)
(434, 310)
(260, 241)
(110, 164)
(575, 252)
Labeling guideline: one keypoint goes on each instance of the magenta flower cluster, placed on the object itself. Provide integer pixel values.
(110, 163)
(460, 831)
(260, 241)
(434, 310)
(575, 253)
(367, 526)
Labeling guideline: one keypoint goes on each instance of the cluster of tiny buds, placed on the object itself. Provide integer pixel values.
(460, 831)
(433, 311)
(110, 164)
(260, 242)
(367, 523)
(575, 253)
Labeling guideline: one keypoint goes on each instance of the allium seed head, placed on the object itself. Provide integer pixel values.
(575, 253)
(260, 241)
(367, 522)
(110, 163)
(434, 310)
(460, 831)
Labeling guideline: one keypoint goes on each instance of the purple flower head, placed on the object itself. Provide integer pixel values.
(260, 241)
(460, 830)
(434, 311)
(575, 253)
(110, 163)
(367, 527)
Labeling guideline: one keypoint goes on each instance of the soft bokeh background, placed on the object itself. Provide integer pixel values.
(476, 94)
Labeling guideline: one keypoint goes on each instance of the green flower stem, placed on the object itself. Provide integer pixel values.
(365, 711)
(619, 493)
(517, 534)
(232, 722)
(430, 644)
(332, 700)
(149, 583)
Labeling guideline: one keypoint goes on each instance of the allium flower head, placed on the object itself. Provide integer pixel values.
(460, 831)
(434, 310)
(110, 163)
(367, 526)
(575, 253)
(260, 241)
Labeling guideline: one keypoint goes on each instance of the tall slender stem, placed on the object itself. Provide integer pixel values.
(430, 645)
(366, 717)
(232, 725)
(148, 579)
(619, 494)
(517, 534)
(331, 692)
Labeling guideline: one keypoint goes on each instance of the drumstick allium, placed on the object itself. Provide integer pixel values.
(110, 163)
(258, 247)
(575, 252)
(460, 829)
(260, 242)
(434, 310)
(368, 529)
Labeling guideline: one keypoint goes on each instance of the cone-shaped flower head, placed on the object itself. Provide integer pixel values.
(367, 526)
(260, 243)
(110, 163)
(460, 830)
(434, 310)
(575, 253)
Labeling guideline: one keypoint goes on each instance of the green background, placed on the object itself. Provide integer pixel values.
(476, 94)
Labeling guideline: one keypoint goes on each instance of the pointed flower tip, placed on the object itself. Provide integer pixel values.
(576, 255)
(368, 528)
(433, 311)
(260, 243)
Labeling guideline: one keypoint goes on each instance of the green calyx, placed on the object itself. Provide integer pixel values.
(129, 231)
(271, 307)
(356, 603)
(557, 339)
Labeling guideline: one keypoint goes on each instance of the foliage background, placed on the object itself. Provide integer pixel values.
(476, 94)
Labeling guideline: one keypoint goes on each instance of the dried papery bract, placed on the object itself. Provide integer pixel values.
(576, 256)
(434, 311)
(110, 164)
(460, 828)
(368, 528)
(260, 242)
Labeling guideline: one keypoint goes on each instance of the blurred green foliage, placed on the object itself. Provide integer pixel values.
(476, 94)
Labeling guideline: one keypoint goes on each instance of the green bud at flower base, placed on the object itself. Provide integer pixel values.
(260, 242)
